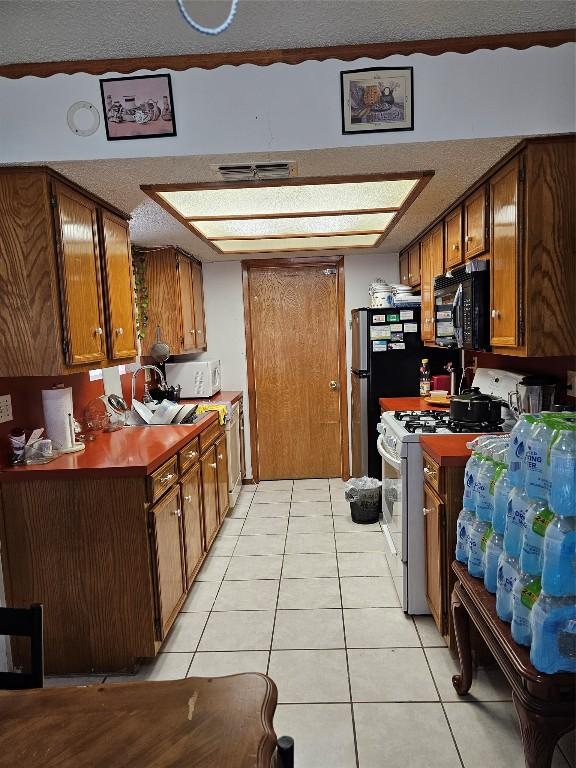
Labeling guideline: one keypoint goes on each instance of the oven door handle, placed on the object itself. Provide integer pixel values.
(388, 457)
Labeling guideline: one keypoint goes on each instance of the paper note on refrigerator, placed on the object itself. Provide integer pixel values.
(410, 327)
(379, 346)
(379, 332)
(406, 314)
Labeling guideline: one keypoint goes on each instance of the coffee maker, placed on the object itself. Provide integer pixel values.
(533, 394)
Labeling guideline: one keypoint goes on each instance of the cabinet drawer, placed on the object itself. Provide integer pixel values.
(209, 435)
(162, 479)
(432, 474)
(188, 455)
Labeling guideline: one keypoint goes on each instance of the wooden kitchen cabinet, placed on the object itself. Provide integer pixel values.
(209, 465)
(168, 557)
(431, 265)
(175, 299)
(193, 528)
(404, 268)
(453, 238)
(434, 524)
(222, 473)
(476, 237)
(414, 266)
(62, 304)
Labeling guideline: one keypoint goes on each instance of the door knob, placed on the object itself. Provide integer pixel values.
(119, 331)
(333, 384)
(98, 331)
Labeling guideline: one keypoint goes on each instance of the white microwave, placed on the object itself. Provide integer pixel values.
(198, 379)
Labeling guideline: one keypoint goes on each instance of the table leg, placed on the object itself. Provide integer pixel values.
(463, 681)
(540, 734)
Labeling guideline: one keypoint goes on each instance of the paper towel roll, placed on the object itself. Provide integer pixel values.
(57, 404)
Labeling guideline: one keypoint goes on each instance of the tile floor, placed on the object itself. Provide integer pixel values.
(294, 589)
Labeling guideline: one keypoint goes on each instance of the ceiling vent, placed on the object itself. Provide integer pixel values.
(255, 171)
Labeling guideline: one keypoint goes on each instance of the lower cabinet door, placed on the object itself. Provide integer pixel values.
(433, 512)
(210, 494)
(167, 551)
(192, 521)
(222, 470)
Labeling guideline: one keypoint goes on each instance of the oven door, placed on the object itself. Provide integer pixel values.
(391, 479)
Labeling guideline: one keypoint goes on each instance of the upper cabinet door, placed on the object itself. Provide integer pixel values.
(427, 330)
(119, 288)
(79, 260)
(198, 289)
(404, 268)
(453, 238)
(187, 304)
(475, 229)
(505, 258)
(414, 265)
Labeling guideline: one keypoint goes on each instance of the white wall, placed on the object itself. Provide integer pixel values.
(283, 107)
(224, 309)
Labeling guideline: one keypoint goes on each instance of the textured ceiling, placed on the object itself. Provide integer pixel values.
(53, 30)
(457, 165)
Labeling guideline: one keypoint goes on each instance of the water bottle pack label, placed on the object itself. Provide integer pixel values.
(497, 474)
(541, 521)
(485, 538)
(517, 456)
(530, 593)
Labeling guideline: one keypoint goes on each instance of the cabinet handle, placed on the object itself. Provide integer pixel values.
(191, 455)
(495, 313)
(213, 465)
(220, 456)
(192, 332)
(119, 331)
(468, 238)
(166, 478)
(98, 331)
(426, 511)
(187, 498)
(429, 472)
(177, 513)
(409, 274)
(455, 247)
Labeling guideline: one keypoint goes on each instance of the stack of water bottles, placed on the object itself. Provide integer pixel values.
(517, 531)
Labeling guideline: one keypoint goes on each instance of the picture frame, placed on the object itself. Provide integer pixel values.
(139, 107)
(377, 99)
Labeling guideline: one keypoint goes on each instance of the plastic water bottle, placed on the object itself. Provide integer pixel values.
(524, 595)
(502, 488)
(495, 451)
(538, 517)
(538, 443)
(553, 621)
(518, 503)
(471, 470)
(559, 564)
(562, 494)
(477, 548)
(507, 576)
(494, 548)
(464, 524)
(518, 448)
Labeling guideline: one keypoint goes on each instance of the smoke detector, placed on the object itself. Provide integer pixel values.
(255, 171)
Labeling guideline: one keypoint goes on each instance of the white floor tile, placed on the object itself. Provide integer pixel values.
(265, 525)
(201, 597)
(310, 676)
(364, 564)
(317, 484)
(309, 593)
(308, 629)
(258, 595)
(368, 592)
(360, 542)
(231, 527)
(341, 508)
(223, 546)
(379, 628)
(410, 735)
(323, 734)
(390, 674)
(307, 543)
(311, 524)
(488, 734)
(272, 497)
(220, 663)
(166, 666)
(56, 681)
(254, 567)
(399, 584)
(260, 545)
(309, 566)
(428, 631)
(238, 631)
(302, 494)
(394, 563)
(343, 524)
(269, 510)
(213, 569)
(489, 683)
(238, 512)
(275, 485)
(185, 633)
(310, 508)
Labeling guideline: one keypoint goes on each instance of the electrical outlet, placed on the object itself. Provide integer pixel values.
(5, 408)
(571, 383)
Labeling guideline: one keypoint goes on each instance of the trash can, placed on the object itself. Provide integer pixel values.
(365, 497)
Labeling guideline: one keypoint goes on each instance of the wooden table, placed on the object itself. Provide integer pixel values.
(545, 703)
(221, 722)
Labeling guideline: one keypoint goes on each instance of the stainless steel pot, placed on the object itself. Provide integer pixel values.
(533, 394)
(474, 407)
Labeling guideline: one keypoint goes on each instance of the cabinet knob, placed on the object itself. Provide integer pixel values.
(429, 472)
(166, 478)
(187, 498)
(119, 331)
(426, 511)
(192, 331)
(333, 384)
(495, 313)
(409, 274)
(220, 456)
(98, 331)
(468, 238)
(199, 333)
(455, 247)
(191, 455)
(177, 513)
(213, 465)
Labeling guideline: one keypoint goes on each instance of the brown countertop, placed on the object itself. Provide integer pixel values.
(447, 450)
(128, 452)
(408, 404)
(226, 396)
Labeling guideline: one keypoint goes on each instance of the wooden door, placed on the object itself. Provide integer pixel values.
(453, 238)
(198, 291)
(193, 529)
(222, 473)
(505, 272)
(414, 265)
(188, 340)
(475, 234)
(433, 513)
(293, 337)
(117, 262)
(166, 526)
(404, 268)
(79, 261)
(210, 495)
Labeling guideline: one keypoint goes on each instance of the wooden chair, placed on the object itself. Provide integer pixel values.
(24, 622)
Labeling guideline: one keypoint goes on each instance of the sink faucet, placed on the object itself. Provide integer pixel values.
(143, 368)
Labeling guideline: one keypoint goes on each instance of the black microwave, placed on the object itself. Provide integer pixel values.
(461, 306)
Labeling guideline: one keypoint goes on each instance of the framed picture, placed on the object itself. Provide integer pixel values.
(138, 107)
(377, 99)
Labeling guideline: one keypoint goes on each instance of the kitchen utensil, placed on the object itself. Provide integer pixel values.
(159, 351)
(474, 407)
(440, 401)
(142, 411)
(117, 403)
(184, 412)
(165, 412)
(533, 394)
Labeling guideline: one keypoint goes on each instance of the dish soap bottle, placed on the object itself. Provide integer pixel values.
(424, 378)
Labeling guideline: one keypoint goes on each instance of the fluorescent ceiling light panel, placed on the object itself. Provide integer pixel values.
(296, 243)
(297, 225)
(280, 200)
